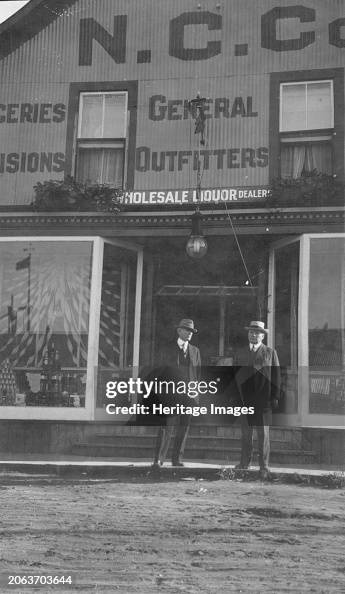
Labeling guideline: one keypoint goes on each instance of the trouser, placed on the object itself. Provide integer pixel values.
(181, 425)
(263, 436)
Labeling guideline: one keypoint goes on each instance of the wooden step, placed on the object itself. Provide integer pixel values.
(276, 433)
(205, 442)
(195, 441)
(194, 453)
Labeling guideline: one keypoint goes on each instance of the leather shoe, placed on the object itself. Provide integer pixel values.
(176, 463)
(241, 466)
(264, 474)
(156, 465)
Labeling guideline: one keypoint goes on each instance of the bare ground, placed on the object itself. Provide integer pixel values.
(190, 536)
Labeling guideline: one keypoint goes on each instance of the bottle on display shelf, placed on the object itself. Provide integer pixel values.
(57, 362)
(56, 379)
(45, 372)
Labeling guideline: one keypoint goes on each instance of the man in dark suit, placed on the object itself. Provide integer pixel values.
(258, 382)
(181, 362)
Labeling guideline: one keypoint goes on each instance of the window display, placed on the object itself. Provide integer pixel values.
(327, 326)
(44, 322)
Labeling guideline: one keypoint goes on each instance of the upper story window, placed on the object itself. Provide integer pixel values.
(306, 126)
(101, 138)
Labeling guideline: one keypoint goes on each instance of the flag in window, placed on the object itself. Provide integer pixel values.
(22, 264)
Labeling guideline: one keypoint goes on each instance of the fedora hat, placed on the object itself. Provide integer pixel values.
(187, 325)
(256, 325)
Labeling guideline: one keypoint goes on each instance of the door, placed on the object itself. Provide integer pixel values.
(283, 323)
(119, 321)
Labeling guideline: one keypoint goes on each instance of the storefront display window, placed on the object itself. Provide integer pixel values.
(44, 322)
(327, 325)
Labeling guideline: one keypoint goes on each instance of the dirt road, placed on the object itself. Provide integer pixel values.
(174, 537)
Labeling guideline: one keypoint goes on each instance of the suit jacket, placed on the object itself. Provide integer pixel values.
(170, 359)
(167, 369)
(258, 377)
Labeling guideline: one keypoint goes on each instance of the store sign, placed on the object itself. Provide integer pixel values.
(269, 33)
(34, 160)
(207, 196)
(163, 110)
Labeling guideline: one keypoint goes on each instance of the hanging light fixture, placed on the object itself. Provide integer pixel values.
(197, 244)
(196, 247)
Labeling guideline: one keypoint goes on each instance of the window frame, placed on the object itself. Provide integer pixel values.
(76, 89)
(275, 136)
(101, 142)
(305, 136)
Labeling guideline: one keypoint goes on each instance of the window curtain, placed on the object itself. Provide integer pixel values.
(301, 159)
(319, 157)
(102, 166)
(292, 160)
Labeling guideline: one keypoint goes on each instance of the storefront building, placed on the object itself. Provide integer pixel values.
(109, 93)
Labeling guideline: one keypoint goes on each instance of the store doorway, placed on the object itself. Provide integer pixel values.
(218, 292)
(220, 317)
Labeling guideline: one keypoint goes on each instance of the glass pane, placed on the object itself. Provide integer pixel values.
(91, 116)
(44, 321)
(286, 321)
(327, 326)
(115, 357)
(307, 106)
(115, 116)
(319, 102)
(101, 166)
(293, 109)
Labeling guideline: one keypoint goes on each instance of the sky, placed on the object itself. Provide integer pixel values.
(7, 8)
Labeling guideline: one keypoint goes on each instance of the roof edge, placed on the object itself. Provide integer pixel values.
(12, 20)
(28, 21)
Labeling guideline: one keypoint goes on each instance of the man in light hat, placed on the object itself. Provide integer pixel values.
(258, 382)
(184, 362)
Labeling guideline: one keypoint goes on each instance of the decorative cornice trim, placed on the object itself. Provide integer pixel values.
(148, 221)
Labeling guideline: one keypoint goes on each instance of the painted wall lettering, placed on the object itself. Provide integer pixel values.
(335, 37)
(31, 162)
(161, 108)
(272, 22)
(114, 45)
(231, 158)
(34, 113)
(177, 48)
(269, 22)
